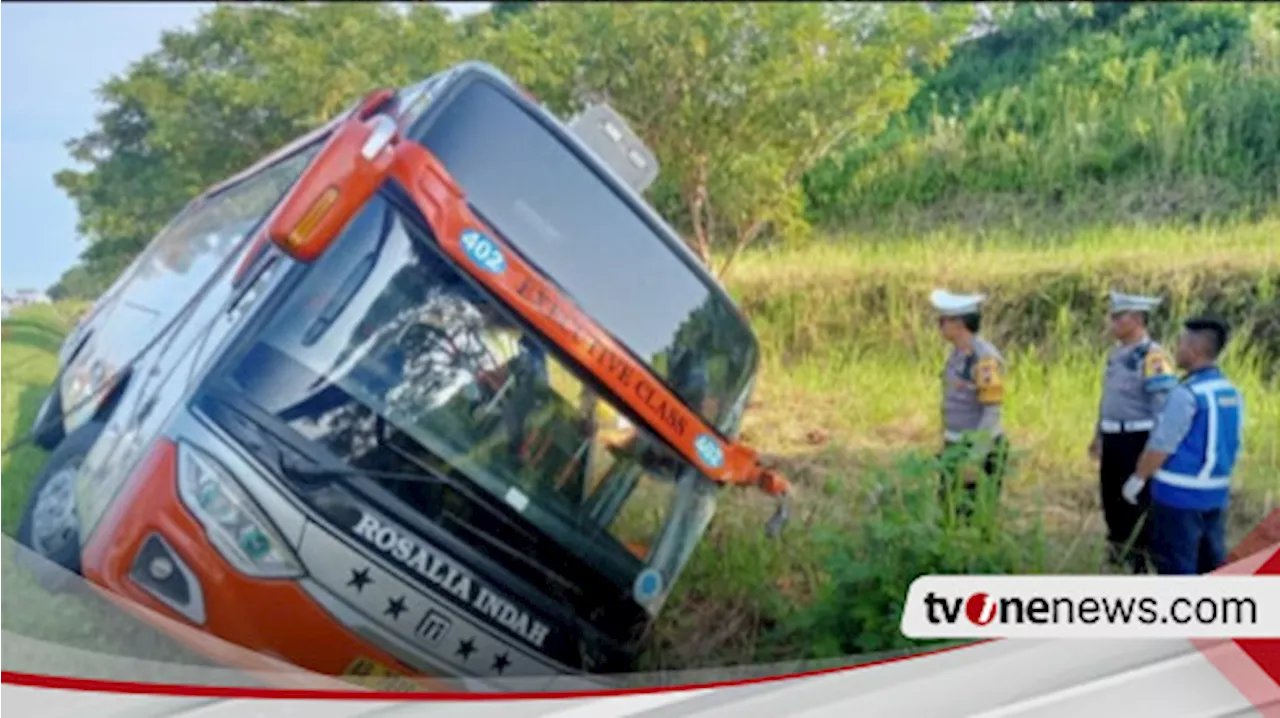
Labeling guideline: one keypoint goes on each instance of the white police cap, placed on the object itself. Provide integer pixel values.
(1132, 303)
(949, 304)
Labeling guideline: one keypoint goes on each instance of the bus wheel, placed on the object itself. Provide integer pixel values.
(50, 527)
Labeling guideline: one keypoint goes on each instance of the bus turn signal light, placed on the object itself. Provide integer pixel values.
(307, 225)
(341, 178)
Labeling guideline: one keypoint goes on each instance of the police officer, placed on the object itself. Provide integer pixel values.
(1191, 456)
(1138, 376)
(972, 396)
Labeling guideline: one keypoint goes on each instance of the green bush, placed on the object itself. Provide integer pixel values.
(909, 532)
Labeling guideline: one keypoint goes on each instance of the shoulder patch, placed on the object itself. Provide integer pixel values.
(987, 378)
(1157, 371)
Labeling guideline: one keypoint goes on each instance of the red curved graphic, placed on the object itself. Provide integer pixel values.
(1253, 665)
(196, 691)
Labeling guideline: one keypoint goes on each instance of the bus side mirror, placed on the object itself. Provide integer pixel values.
(340, 180)
(374, 102)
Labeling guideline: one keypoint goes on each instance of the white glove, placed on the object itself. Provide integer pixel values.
(1132, 488)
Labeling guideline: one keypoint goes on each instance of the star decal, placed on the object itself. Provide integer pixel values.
(360, 579)
(500, 663)
(466, 648)
(395, 607)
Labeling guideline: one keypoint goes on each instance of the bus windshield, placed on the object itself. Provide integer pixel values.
(383, 330)
(564, 218)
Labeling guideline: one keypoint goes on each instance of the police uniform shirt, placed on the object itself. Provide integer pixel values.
(1137, 380)
(973, 390)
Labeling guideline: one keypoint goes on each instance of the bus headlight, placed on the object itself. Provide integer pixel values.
(84, 387)
(232, 521)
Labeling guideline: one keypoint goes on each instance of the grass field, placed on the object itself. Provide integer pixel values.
(847, 406)
(30, 347)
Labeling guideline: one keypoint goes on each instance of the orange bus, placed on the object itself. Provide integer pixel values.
(430, 392)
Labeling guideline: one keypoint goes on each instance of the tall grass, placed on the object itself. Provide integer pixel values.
(848, 408)
(1171, 112)
(871, 294)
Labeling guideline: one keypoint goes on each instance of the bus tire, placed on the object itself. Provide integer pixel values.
(49, 529)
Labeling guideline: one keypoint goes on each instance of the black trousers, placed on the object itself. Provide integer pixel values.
(964, 492)
(1126, 542)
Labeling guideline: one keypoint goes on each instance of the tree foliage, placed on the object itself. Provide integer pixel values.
(212, 100)
(766, 117)
(737, 100)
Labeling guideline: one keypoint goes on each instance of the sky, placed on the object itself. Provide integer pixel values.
(53, 56)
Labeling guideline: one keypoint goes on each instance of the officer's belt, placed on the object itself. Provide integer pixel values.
(1107, 426)
(949, 435)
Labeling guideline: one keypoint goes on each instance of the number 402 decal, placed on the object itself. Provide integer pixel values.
(483, 252)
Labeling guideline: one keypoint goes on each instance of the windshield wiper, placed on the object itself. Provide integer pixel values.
(561, 589)
(295, 467)
(309, 474)
(296, 471)
(312, 474)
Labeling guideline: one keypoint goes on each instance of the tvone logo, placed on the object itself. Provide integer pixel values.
(980, 609)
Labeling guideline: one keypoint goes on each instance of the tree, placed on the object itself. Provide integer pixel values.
(738, 101)
(78, 283)
(211, 101)
(503, 11)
